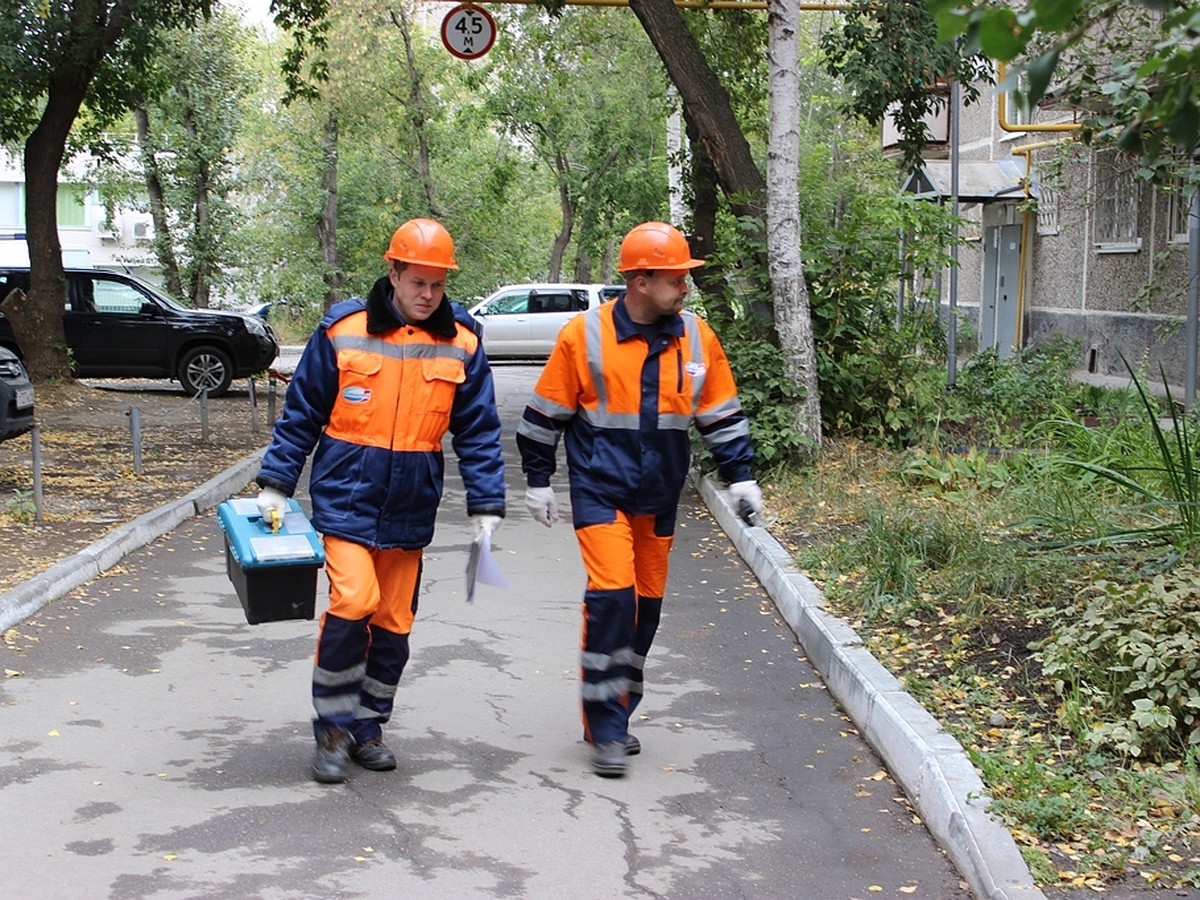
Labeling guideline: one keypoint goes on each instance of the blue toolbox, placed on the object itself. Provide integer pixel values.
(274, 572)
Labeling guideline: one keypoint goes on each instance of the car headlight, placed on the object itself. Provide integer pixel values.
(254, 325)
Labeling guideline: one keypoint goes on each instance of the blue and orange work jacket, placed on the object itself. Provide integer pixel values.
(375, 396)
(625, 406)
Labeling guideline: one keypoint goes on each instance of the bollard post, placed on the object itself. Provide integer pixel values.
(135, 432)
(38, 495)
(204, 416)
(253, 408)
(272, 383)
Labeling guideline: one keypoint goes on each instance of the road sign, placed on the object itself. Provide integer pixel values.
(468, 31)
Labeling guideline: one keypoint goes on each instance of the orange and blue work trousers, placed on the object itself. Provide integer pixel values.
(626, 563)
(362, 646)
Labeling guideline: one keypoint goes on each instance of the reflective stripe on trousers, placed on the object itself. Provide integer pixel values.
(362, 647)
(626, 562)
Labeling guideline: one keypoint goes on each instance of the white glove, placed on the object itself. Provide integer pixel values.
(746, 498)
(541, 504)
(272, 505)
(485, 527)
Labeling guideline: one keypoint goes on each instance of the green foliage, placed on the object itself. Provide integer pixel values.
(44, 46)
(193, 123)
(1108, 404)
(21, 508)
(914, 557)
(996, 398)
(1157, 468)
(562, 91)
(877, 379)
(1130, 654)
(1132, 63)
(1048, 801)
(888, 55)
(956, 474)
(768, 398)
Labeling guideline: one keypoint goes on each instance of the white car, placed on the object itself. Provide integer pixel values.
(522, 321)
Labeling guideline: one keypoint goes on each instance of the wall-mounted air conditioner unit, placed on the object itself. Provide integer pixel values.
(143, 231)
(107, 231)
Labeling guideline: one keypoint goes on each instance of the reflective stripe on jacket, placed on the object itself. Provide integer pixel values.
(626, 407)
(375, 397)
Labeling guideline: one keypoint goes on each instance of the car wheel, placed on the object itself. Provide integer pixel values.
(205, 369)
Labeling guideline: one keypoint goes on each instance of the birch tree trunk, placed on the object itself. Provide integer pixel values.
(793, 318)
(327, 235)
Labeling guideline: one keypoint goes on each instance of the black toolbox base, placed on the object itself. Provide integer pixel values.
(274, 593)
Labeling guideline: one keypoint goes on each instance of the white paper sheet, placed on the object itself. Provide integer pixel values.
(482, 568)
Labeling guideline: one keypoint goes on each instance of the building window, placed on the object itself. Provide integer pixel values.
(1115, 211)
(1016, 102)
(1047, 207)
(72, 212)
(12, 205)
(1179, 202)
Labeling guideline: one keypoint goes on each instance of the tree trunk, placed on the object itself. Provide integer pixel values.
(416, 108)
(793, 319)
(327, 222)
(705, 205)
(38, 323)
(707, 104)
(41, 319)
(567, 203)
(164, 248)
(202, 249)
(709, 111)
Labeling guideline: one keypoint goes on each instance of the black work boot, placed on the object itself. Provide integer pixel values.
(373, 754)
(331, 762)
(608, 759)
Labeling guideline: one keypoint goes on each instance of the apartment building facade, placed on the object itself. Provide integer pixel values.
(1061, 239)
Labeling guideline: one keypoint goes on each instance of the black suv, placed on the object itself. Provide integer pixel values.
(119, 327)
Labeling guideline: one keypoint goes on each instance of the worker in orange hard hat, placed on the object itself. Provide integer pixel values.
(380, 383)
(624, 384)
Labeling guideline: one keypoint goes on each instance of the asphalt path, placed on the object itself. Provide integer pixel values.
(152, 744)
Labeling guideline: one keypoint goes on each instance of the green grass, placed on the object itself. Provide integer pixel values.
(946, 565)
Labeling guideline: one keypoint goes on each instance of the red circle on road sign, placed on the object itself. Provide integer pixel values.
(468, 31)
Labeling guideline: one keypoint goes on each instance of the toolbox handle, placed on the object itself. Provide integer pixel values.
(264, 525)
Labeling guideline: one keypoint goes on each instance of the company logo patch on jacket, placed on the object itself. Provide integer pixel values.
(694, 368)
(355, 394)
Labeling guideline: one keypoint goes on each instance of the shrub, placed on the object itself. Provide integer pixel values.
(998, 397)
(1128, 661)
(768, 398)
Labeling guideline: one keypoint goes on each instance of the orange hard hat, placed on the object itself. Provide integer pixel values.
(656, 245)
(422, 242)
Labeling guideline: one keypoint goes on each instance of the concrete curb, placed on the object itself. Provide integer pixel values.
(30, 596)
(931, 766)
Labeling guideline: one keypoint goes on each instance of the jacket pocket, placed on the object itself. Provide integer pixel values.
(441, 380)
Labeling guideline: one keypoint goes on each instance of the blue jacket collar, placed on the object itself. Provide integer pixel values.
(626, 328)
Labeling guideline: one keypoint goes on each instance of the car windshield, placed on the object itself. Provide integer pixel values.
(120, 292)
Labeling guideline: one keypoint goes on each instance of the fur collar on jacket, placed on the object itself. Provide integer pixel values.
(382, 315)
